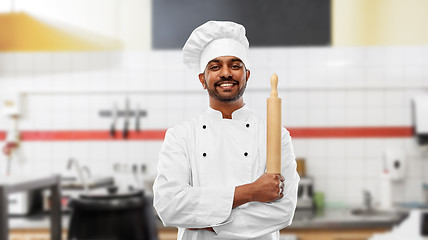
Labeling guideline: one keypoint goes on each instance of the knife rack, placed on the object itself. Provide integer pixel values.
(122, 113)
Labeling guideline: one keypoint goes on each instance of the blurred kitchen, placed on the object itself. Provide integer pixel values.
(88, 89)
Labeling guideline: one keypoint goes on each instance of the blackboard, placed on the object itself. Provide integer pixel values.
(268, 22)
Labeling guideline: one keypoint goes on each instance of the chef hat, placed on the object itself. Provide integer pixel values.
(215, 39)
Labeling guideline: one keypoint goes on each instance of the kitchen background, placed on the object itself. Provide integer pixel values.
(345, 104)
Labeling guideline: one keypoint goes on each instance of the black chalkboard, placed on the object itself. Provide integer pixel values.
(268, 22)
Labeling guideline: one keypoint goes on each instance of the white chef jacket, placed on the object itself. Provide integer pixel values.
(200, 164)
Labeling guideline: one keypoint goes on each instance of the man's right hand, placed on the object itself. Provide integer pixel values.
(265, 189)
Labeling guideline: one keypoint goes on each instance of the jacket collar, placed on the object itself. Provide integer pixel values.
(239, 114)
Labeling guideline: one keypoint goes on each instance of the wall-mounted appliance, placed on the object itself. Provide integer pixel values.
(420, 119)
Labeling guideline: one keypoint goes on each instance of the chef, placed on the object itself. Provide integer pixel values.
(211, 180)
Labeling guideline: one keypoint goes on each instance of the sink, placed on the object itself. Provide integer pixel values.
(369, 212)
(377, 213)
(95, 182)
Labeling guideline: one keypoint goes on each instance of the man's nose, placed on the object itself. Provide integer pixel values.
(225, 72)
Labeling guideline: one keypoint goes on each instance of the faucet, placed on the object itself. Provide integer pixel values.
(79, 171)
(87, 170)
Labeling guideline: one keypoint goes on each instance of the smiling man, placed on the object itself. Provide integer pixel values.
(211, 179)
(225, 78)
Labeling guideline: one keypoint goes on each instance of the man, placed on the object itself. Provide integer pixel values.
(211, 179)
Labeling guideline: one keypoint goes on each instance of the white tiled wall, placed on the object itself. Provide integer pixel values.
(320, 86)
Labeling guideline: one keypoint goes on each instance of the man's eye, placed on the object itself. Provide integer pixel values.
(236, 66)
(214, 67)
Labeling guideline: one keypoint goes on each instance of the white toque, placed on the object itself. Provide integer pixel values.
(215, 39)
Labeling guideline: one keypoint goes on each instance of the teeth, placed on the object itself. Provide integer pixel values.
(226, 84)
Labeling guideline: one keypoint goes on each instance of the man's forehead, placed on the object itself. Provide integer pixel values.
(225, 59)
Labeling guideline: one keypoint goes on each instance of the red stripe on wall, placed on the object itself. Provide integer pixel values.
(351, 132)
(147, 135)
(89, 135)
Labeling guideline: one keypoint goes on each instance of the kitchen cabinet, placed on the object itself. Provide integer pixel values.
(168, 233)
(305, 234)
(44, 234)
(171, 234)
(334, 234)
(11, 185)
(33, 234)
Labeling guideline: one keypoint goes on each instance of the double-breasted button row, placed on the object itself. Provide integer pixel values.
(205, 126)
(205, 154)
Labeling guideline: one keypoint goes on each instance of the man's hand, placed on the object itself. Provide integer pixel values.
(208, 229)
(267, 188)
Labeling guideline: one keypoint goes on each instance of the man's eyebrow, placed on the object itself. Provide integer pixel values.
(214, 60)
(231, 60)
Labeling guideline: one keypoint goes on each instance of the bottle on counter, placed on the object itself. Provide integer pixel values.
(385, 191)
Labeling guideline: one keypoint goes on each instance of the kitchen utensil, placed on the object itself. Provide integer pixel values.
(385, 191)
(319, 200)
(126, 125)
(115, 115)
(301, 167)
(113, 216)
(8, 167)
(425, 188)
(273, 150)
(11, 149)
(137, 118)
(135, 172)
(305, 194)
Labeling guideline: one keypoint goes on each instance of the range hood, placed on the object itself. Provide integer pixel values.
(23, 32)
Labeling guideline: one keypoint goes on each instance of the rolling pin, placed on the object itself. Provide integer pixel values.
(273, 148)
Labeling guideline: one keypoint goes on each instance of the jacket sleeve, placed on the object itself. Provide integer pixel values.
(176, 201)
(255, 219)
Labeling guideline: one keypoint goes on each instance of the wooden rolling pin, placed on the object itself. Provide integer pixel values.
(273, 149)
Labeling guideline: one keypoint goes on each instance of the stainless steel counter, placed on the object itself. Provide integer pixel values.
(344, 219)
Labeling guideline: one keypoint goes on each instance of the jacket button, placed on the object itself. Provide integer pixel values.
(245, 154)
(204, 154)
(204, 126)
(248, 125)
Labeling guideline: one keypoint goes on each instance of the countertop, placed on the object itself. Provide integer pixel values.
(343, 218)
(303, 219)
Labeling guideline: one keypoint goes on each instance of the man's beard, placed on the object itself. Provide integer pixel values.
(215, 94)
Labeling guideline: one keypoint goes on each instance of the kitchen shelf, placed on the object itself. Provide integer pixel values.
(12, 185)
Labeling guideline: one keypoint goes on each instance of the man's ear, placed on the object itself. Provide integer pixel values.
(248, 74)
(202, 80)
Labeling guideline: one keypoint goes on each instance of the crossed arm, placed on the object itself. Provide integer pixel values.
(219, 210)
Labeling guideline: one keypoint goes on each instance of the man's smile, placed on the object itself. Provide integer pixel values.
(226, 85)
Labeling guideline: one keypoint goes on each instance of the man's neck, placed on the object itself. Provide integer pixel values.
(227, 108)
